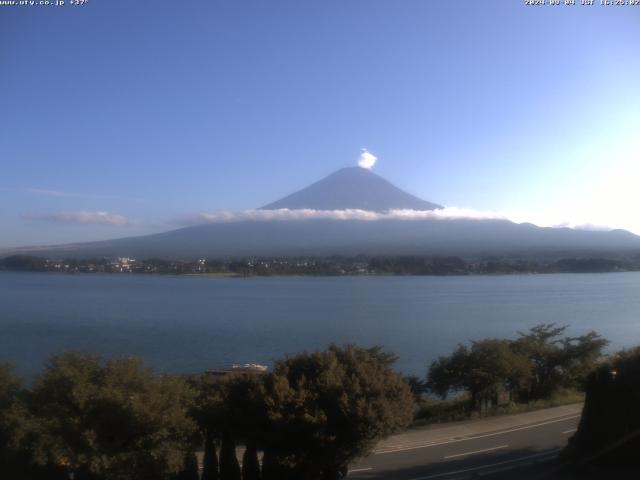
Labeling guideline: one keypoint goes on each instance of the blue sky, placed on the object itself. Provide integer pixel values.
(121, 118)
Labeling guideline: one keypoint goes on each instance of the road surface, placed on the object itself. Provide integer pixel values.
(471, 449)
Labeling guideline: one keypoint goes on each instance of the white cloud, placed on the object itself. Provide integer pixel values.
(583, 226)
(285, 214)
(49, 193)
(367, 159)
(83, 217)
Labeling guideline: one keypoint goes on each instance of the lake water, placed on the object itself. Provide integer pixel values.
(189, 324)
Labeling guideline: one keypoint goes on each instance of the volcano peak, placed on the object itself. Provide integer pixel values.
(352, 188)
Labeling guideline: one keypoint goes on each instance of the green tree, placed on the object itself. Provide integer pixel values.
(495, 366)
(328, 408)
(447, 374)
(189, 468)
(208, 408)
(580, 356)
(489, 367)
(250, 464)
(418, 386)
(24, 263)
(10, 387)
(113, 420)
(233, 410)
(210, 459)
(245, 408)
(274, 466)
(229, 466)
(16, 426)
(533, 366)
(541, 346)
(246, 414)
(557, 362)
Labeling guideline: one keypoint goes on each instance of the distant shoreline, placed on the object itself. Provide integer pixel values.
(363, 275)
(334, 266)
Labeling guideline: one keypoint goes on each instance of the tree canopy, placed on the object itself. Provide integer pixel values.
(15, 425)
(311, 416)
(328, 408)
(111, 420)
(533, 366)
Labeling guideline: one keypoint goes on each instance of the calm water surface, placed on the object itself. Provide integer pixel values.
(188, 324)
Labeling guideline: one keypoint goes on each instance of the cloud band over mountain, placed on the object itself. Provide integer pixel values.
(284, 214)
(451, 213)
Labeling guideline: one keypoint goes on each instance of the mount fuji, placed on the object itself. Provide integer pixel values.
(350, 189)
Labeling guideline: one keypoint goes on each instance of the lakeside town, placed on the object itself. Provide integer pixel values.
(326, 266)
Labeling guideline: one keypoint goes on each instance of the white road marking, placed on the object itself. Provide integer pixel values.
(569, 431)
(462, 438)
(434, 444)
(446, 474)
(360, 470)
(476, 451)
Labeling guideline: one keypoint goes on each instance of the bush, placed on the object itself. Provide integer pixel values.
(111, 420)
(609, 430)
(328, 408)
(536, 366)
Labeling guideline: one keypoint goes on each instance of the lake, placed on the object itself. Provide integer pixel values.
(191, 323)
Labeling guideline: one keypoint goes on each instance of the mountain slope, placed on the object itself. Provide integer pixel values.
(352, 237)
(352, 187)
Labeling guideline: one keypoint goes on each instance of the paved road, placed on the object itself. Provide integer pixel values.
(464, 450)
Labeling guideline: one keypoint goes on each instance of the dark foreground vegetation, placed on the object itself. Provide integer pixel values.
(537, 365)
(329, 266)
(117, 420)
(90, 419)
(608, 436)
